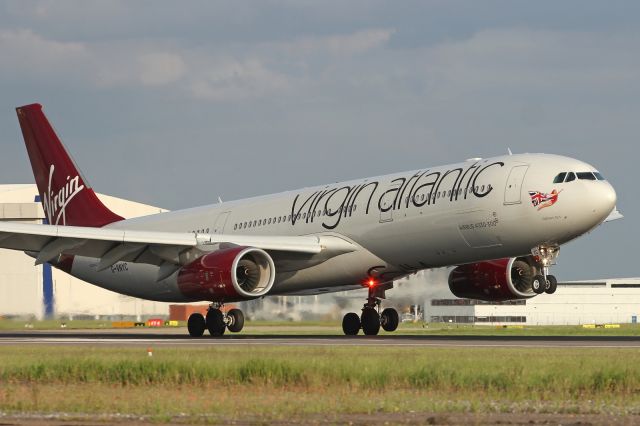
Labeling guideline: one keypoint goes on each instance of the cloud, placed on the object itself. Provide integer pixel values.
(341, 44)
(504, 61)
(206, 73)
(524, 60)
(230, 79)
(25, 51)
(157, 69)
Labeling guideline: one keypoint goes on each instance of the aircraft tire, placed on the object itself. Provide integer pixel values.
(351, 324)
(196, 325)
(370, 321)
(236, 322)
(215, 322)
(389, 319)
(552, 284)
(538, 284)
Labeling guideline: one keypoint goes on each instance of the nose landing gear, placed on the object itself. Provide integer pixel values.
(371, 320)
(216, 321)
(546, 257)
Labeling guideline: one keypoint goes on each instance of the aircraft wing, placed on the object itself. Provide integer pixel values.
(112, 245)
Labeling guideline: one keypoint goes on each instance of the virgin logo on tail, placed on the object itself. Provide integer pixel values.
(55, 203)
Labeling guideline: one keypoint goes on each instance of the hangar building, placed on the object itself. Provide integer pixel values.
(42, 291)
(613, 300)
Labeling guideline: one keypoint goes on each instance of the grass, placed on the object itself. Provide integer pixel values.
(270, 382)
(333, 328)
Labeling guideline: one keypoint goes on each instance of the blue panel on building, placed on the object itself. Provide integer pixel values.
(47, 282)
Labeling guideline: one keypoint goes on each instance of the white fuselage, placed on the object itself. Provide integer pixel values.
(441, 216)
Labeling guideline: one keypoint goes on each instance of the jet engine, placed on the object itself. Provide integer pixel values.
(228, 275)
(495, 280)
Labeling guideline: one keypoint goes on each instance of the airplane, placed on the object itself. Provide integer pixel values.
(499, 222)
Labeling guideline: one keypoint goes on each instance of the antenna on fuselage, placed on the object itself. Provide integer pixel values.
(509, 151)
(219, 200)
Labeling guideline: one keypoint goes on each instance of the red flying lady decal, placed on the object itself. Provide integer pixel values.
(542, 200)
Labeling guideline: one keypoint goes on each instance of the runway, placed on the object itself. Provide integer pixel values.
(175, 337)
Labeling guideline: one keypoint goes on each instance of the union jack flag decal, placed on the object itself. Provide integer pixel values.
(542, 200)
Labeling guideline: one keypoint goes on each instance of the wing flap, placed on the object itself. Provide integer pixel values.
(112, 245)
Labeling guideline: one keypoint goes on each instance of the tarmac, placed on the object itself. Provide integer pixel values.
(179, 337)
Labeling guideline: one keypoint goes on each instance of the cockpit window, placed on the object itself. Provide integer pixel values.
(570, 176)
(560, 177)
(586, 176)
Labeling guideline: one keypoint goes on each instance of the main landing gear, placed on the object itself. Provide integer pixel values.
(216, 321)
(546, 257)
(371, 318)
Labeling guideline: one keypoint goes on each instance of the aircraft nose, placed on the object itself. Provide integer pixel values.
(604, 200)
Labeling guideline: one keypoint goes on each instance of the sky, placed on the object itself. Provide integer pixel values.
(176, 103)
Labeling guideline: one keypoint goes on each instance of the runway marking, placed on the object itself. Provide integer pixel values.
(331, 341)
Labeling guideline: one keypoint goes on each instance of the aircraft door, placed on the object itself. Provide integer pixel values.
(513, 188)
(221, 221)
(387, 203)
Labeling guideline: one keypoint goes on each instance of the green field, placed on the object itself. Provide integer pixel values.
(333, 328)
(274, 383)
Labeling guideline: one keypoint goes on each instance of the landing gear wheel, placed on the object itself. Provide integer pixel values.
(552, 284)
(196, 325)
(389, 319)
(351, 324)
(215, 322)
(235, 320)
(538, 284)
(370, 321)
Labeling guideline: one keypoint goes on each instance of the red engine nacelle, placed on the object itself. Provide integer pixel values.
(495, 280)
(228, 275)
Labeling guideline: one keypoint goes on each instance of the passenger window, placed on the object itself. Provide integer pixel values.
(570, 177)
(586, 176)
(560, 177)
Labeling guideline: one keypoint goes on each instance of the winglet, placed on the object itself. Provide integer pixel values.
(67, 198)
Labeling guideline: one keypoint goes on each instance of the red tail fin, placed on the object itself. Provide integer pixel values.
(66, 197)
